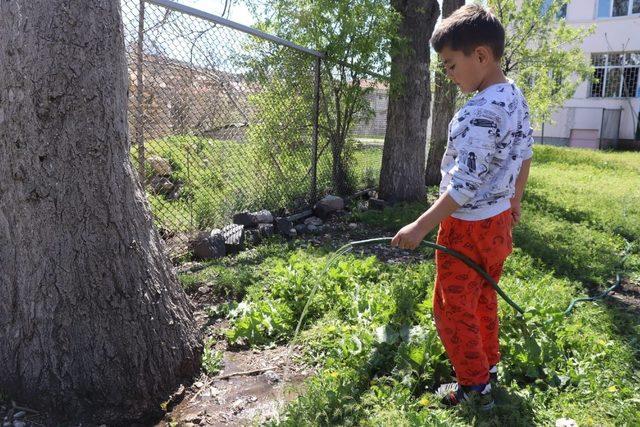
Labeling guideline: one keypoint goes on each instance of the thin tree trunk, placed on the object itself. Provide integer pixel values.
(444, 104)
(339, 171)
(93, 324)
(403, 157)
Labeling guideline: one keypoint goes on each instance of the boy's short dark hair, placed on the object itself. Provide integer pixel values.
(467, 28)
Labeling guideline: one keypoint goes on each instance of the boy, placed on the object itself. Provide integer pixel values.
(484, 171)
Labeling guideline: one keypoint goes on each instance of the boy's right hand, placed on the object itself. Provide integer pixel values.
(409, 236)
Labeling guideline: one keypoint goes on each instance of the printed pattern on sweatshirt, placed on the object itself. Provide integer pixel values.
(489, 138)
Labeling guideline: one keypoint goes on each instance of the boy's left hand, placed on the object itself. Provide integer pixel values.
(516, 211)
(409, 236)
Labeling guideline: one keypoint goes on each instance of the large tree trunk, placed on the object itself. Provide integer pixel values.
(94, 327)
(403, 157)
(444, 105)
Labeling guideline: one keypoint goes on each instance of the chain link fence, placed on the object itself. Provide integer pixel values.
(223, 119)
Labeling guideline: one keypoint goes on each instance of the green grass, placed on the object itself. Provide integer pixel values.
(370, 332)
(221, 178)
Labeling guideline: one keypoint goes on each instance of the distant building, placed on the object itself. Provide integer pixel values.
(604, 111)
(378, 98)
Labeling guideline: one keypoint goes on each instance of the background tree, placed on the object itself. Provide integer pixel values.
(403, 156)
(355, 35)
(94, 325)
(543, 53)
(443, 109)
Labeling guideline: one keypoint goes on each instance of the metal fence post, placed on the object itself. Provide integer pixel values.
(139, 130)
(314, 146)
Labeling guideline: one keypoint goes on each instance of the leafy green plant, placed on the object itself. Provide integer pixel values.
(211, 359)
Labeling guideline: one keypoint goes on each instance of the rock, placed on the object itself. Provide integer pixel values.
(160, 166)
(340, 213)
(301, 228)
(312, 228)
(18, 423)
(208, 245)
(266, 230)
(272, 377)
(327, 206)
(334, 202)
(19, 415)
(233, 238)
(353, 225)
(246, 219)
(253, 219)
(198, 384)
(211, 392)
(376, 204)
(264, 217)
(238, 406)
(284, 226)
(293, 232)
(313, 220)
(161, 185)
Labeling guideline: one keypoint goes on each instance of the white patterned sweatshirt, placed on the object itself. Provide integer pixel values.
(489, 138)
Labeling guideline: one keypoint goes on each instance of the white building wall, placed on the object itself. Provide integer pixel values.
(583, 112)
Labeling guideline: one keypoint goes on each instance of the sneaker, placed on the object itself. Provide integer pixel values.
(493, 375)
(453, 394)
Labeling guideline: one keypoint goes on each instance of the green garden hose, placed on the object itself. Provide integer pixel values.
(349, 246)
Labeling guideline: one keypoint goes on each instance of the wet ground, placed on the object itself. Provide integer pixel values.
(268, 380)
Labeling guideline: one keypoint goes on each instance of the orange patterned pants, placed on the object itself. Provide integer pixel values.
(465, 305)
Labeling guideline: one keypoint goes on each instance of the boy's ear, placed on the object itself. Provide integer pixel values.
(483, 54)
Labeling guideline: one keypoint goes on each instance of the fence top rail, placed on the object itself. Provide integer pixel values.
(227, 23)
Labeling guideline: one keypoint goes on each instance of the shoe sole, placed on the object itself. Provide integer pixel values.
(488, 406)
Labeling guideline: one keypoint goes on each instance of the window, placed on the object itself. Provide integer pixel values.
(630, 82)
(604, 8)
(615, 75)
(609, 8)
(612, 83)
(596, 82)
(620, 7)
(561, 13)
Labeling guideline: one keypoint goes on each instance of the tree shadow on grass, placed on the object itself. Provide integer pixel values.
(567, 243)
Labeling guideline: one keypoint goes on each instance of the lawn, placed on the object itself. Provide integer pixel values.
(369, 330)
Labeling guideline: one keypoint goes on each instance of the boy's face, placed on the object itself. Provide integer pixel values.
(467, 71)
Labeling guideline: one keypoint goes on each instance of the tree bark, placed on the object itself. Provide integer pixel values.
(339, 169)
(94, 326)
(403, 156)
(444, 105)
